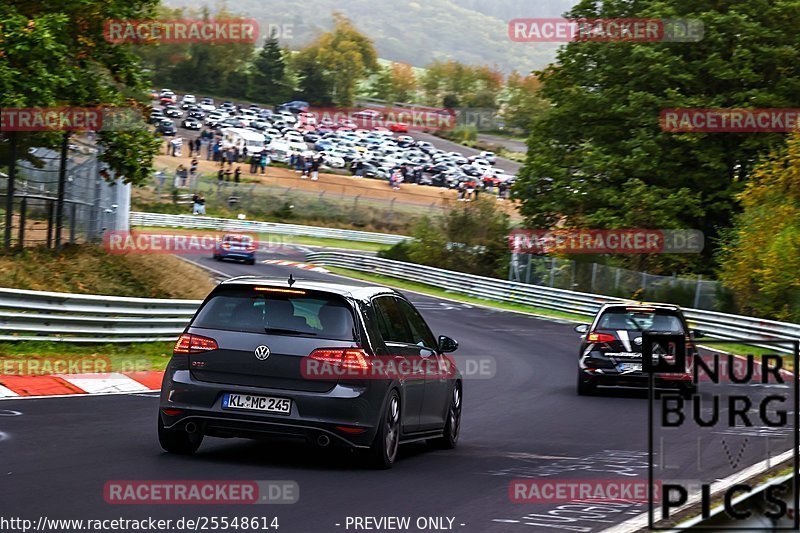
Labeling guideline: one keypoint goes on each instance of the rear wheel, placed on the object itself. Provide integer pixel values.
(251, 261)
(177, 441)
(452, 427)
(585, 388)
(383, 450)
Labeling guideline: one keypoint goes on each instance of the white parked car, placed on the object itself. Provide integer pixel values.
(332, 160)
(279, 151)
(489, 156)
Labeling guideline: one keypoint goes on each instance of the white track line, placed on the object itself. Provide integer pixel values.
(104, 383)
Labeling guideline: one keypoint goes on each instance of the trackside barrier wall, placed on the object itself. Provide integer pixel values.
(255, 226)
(715, 325)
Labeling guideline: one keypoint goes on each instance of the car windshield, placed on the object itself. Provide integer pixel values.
(305, 314)
(653, 321)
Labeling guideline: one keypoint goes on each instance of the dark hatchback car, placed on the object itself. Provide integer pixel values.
(611, 347)
(265, 359)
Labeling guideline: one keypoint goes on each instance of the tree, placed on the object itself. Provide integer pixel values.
(395, 83)
(55, 53)
(468, 238)
(602, 134)
(269, 78)
(523, 103)
(760, 257)
(453, 84)
(331, 67)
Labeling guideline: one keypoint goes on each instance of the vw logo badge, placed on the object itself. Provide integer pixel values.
(262, 352)
(637, 341)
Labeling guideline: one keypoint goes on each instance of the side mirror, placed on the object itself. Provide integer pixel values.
(697, 333)
(582, 328)
(447, 345)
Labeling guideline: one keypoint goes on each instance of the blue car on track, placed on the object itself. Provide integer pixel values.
(235, 246)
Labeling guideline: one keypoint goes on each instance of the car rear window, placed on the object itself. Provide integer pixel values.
(654, 321)
(258, 310)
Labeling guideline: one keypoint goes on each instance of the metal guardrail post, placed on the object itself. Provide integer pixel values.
(23, 208)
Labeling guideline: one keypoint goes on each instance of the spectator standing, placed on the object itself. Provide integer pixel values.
(315, 163)
(254, 160)
(237, 174)
(264, 161)
(198, 204)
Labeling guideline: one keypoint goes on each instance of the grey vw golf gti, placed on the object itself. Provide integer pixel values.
(322, 362)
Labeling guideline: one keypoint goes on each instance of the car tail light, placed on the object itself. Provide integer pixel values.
(188, 343)
(251, 247)
(351, 358)
(226, 245)
(600, 337)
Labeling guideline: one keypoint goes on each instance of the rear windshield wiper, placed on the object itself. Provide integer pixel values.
(633, 321)
(283, 331)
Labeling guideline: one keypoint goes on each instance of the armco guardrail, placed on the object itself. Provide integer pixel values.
(256, 226)
(56, 316)
(716, 325)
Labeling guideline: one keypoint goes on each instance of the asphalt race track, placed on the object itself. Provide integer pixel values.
(525, 422)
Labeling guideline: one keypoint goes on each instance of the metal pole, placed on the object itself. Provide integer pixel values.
(72, 224)
(594, 274)
(528, 271)
(12, 171)
(49, 223)
(62, 181)
(697, 292)
(23, 206)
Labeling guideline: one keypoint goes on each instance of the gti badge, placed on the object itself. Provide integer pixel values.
(262, 352)
(637, 341)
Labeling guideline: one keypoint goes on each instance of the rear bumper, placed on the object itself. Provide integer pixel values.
(638, 380)
(313, 413)
(246, 256)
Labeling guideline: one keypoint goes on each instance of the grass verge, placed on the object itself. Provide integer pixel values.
(276, 239)
(88, 269)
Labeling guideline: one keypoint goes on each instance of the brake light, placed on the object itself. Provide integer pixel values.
(188, 343)
(251, 247)
(351, 358)
(226, 246)
(600, 337)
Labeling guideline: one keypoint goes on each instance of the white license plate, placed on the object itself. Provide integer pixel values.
(257, 403)
(630, 367)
